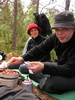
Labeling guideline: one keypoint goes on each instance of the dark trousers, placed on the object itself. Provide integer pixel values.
(57, 84)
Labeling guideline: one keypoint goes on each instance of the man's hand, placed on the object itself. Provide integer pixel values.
(15, 60)
(36, 66)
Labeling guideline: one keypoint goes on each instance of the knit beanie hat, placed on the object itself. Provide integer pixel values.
(31, 26)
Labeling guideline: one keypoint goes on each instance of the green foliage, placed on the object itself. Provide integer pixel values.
(23, 21)
(6, 27)
(53, 55)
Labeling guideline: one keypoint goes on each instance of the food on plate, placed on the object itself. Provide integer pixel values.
(9, 72)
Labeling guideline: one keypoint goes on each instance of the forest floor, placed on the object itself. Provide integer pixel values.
(41, 95)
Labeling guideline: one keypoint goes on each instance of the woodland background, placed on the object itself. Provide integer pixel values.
(14, 22)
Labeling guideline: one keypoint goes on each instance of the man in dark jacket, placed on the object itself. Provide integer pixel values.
(62, 73)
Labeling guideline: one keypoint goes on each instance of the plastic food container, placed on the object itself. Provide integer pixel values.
(9, 78)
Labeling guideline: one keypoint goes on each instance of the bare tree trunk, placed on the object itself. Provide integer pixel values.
(14, 43)
(37, 6)
(67, 4)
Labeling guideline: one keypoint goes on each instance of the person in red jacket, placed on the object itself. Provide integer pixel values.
(62, 72)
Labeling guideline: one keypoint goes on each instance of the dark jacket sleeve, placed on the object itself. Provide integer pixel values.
(40, 50)
(65, 70)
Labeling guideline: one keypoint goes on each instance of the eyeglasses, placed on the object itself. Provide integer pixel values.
(62, 29)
